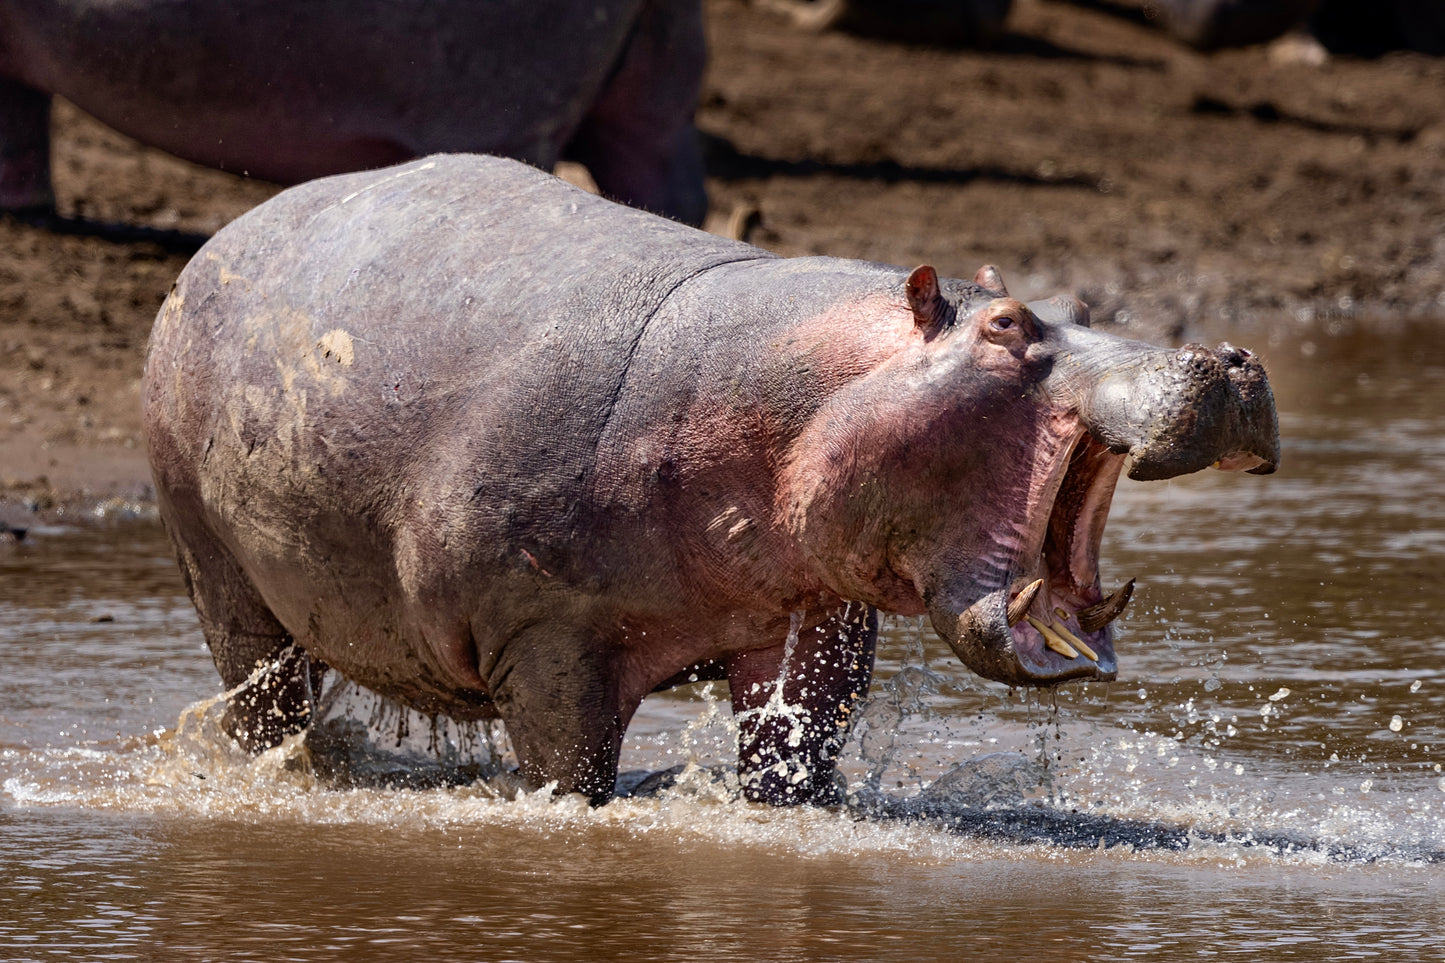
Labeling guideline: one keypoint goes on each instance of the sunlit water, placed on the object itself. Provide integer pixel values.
(1264, 781)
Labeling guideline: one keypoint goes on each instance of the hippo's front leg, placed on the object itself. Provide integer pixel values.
(24, 148)
(794, 704)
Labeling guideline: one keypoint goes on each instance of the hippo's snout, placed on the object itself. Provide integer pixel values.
(1194, 408)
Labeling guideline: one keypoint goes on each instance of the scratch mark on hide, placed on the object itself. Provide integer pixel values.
(533, 560)
(386, 180)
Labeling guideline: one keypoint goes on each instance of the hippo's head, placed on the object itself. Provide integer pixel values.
(969, 475)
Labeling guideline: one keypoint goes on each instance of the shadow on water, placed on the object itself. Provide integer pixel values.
(1074, 830)
(1041, 824)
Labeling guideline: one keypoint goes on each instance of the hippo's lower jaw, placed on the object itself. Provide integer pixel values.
(1049, 622)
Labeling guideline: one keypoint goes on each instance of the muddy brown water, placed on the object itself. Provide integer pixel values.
(1264, 782)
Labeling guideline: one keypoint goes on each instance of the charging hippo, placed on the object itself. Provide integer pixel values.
(291, 91)
(496, 447)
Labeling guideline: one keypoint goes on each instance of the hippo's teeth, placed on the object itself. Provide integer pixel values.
(1095, 617)
(1022, 601)
(1052, 639)
(1075, 641)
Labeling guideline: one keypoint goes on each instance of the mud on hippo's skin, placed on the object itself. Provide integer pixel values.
(498, 448)
(291, 91)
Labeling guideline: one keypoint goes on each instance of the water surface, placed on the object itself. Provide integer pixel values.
(1281, 682)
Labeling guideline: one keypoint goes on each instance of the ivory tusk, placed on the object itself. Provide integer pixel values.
(1021, 602)
(1075, 641)
(1095, 617)
(1052, 639)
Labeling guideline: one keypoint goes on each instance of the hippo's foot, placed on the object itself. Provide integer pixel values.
(274, 702)
(1212, 24)
(960, 23)
(795, 785)
(562, 714)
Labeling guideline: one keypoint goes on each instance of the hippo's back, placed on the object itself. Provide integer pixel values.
(373, 355)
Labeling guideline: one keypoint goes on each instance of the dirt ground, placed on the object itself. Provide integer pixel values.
(1249, 192)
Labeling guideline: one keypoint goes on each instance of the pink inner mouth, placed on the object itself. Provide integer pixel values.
(1064, 531)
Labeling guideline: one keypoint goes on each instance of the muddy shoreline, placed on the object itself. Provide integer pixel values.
(1245, 193)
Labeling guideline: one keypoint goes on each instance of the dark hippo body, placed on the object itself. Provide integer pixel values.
(291, 91)
(494, 446)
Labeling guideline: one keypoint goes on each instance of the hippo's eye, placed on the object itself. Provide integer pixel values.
(1010, 326)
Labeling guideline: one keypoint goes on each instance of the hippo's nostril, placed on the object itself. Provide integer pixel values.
(1233, 357)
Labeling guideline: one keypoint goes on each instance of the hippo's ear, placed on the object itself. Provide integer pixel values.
(988, 277)
(931, 310)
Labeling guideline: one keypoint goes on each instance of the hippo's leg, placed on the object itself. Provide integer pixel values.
(251, 649)
(24, 149)
(788, 747)
(559, 702)
(638, 140)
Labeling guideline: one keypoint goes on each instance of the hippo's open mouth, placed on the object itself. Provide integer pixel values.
(1051, 622)
(1058, 618)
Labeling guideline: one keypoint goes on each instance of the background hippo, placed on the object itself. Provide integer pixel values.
(496, 447)
(290, 91)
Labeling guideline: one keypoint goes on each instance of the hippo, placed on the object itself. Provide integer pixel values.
(290, 91)
(496, 447)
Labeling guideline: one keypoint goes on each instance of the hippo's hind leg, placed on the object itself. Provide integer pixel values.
(789, 739)
(24, 149)
(271, 680)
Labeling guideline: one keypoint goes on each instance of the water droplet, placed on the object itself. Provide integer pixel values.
(1415, 686)
(1143, 693)
(1396, 723)
(1367, 785)
(1279, 695)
